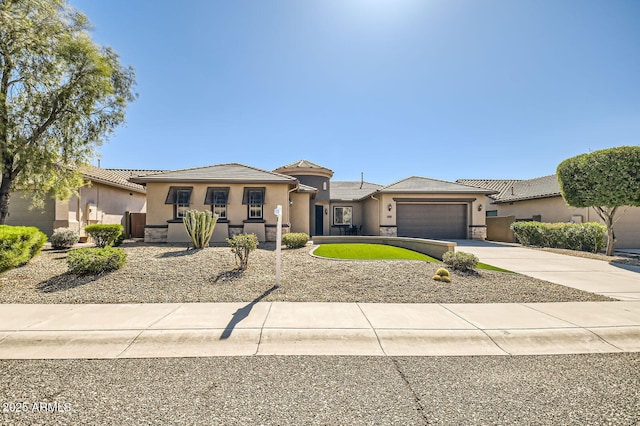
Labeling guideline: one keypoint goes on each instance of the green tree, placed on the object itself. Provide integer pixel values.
(61, 94)
(605, 180)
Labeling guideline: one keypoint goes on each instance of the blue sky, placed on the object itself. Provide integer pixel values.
(392, 88)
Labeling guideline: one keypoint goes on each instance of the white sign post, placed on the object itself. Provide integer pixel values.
(278, 213)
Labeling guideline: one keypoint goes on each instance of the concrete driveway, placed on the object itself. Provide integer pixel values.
(617, 281)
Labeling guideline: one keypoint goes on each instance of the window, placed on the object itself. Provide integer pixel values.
(217, 198)
(492, 213)
(342, 215)
(254, 199)
(180, 197)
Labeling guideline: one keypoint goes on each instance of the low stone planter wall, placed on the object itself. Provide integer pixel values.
(433, 248)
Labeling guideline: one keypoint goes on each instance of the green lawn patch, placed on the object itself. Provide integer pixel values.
(486, 267)
(381, 252)
(369, 252)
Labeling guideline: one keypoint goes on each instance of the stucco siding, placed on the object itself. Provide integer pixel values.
(20, 214)
(159, 213)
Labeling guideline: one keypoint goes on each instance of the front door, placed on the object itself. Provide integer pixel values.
(319, 220)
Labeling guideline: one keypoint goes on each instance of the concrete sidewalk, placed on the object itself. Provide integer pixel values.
(279, 328)
(617, 281)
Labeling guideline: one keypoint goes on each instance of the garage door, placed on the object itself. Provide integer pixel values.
(436, 221)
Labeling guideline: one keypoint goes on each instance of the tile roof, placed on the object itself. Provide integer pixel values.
(231, 172)
(129, 173)
(110, 177)
(499, 185)
(303, 164)
(351, 190)
(417, 184)
(542, 187)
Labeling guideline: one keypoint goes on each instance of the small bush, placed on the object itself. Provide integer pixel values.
(460, 261)
(573, 236)
(241, 245)
(295, 240)
(64, 238)
(18, 245)
(103, 235)
(93, 261)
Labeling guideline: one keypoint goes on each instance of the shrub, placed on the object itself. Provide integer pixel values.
(118, 242)
(442, 275)
(573, 236)
(295, 239)
(93, 261)
(460, 261)
(19, 244)
(199, 227)
(64, 238)
(241, 245)
(103, 235)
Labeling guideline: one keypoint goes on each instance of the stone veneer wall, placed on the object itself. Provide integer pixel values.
(155, 235)
(478, 232)
(271, 232)
(388, 231)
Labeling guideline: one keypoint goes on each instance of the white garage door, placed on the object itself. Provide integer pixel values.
(434, 221)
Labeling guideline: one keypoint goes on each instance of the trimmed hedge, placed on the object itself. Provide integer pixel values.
(104, 235)
(573, 236)
(94, 260)
(18, 245)
(295, 240)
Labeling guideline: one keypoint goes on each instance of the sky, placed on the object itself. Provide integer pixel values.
(485, 89)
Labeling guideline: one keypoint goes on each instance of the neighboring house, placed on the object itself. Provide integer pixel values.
(107, 197)
(245, 197)
(540, 199)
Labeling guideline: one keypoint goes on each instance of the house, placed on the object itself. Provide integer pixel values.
(107, 197)
(245, 197)
(540, 199)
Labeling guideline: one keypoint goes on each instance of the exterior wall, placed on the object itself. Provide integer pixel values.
(555, 209)
(300, 213)
(321, 183)
(371, 217)
(161, 214)
(20, 215)
(111, 204)
(498, 229)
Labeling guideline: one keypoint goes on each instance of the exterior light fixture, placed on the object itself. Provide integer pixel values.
(326, 211)
(390, 206)
(479, 207)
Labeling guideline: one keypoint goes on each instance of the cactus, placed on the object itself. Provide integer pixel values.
(199, 226)
(442, 275)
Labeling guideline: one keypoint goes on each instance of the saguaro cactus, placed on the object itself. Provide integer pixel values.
(199, 226)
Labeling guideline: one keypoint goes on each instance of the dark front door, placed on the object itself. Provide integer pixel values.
(319, 220)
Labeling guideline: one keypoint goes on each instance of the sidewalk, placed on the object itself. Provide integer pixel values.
(617, 281)
(279, 328)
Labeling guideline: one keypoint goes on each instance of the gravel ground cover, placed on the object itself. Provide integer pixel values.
(166, 273)
(589, 389)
